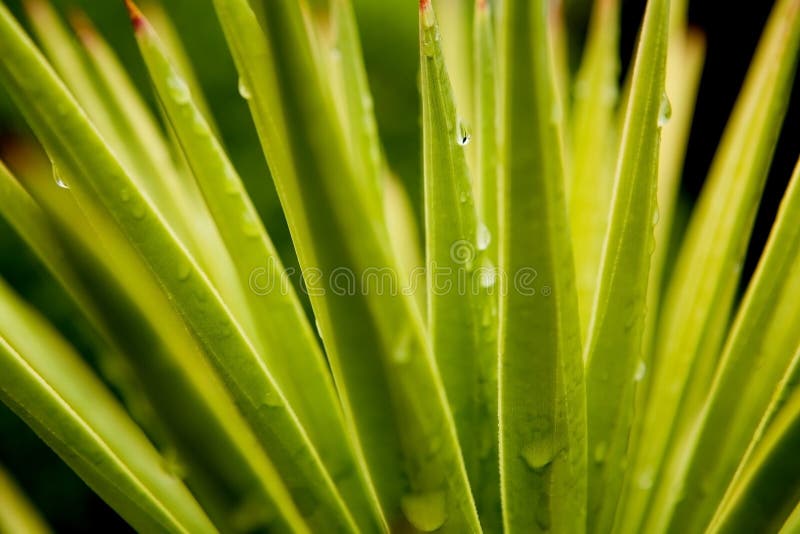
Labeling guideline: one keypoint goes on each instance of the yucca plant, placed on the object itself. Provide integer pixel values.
(537, 348)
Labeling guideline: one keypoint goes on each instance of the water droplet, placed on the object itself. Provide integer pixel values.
(463, 197)
(244, 89)
(319, 328)
(488, 275)
(125, 195)
(665, 111)
(184, 270)
(250, 226)
(556, 113)
(426, 512)
(251, 515)
(138, 210)
(272, 400)
(539, 454)
(402, 350)
(600, 452)
(463, 133)
(178, 89)
(428, 17)
(645, 479)
(656, 216)
(641, 370)
(427, 45)
(484, 237)
(58, 179)
(173, 465)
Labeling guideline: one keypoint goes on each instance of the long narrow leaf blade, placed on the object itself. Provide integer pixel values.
(542, 394)
(594, 149)
(374, 337)
(17, 514)
(700, 295)
(756, 356)
(47, 384)
(615, 338)
(289, 347)
(97, 177)
(461, 280)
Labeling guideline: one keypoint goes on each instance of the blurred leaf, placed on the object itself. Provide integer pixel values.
(17, 514)
(47, 385)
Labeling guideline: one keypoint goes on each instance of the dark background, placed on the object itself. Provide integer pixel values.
(732, 30)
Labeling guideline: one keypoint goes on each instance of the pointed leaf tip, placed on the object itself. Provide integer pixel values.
(423, 4)
(137, 18)
(82, 26)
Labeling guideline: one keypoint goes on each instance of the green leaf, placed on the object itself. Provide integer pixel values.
(700, 295)
(142, 155)
(542, 428)
(766, 487)
(374, 337)
(289, 348)
(486, 482)
(170, 37)
(141, 142)
(756, 356)
(461, 277)
(340, 50)
(226, 467)
(95, 176)
(614, 351)
(17, 514)
(684, 68)
(486, 175)
(53, 391)
(595, 144)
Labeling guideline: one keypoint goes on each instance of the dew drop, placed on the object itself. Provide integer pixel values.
(319, 328)
(272, 400)
(178, 89)
(656, 216)
(665, 111)
(58, 179)
(251, 516)
(463, 133)
(600, 452)
(402, 350)
(483, 237)
(556, 113)
(173, 465)
(641, 370)
(138, 210)
(427, 46)
(125, 195)
(184, 270)
(463, 197)
(426, 512)
(250, 224)
(539, 454)
(488, 275)
(645, 479)
(244, 89)
(428, 17)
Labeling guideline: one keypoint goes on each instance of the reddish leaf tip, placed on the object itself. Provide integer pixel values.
(82, 26)
(137, 18)
(423, 4)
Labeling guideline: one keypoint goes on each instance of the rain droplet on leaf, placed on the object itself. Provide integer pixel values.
(665, 111)
(539, 454)
(426, 512)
